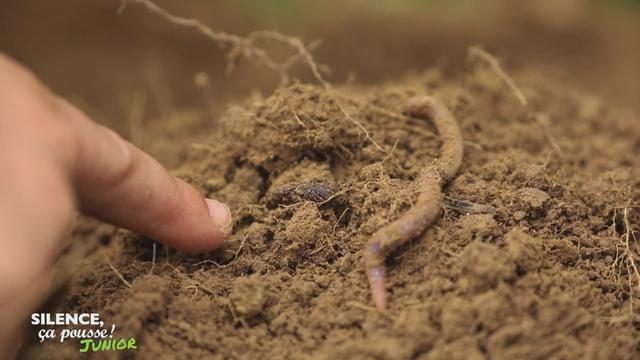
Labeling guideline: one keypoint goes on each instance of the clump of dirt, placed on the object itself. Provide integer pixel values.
(533, 255)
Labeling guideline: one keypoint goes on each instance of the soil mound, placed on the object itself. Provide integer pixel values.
(531, 257)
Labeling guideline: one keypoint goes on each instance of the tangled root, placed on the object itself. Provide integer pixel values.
(244, 47)
(416, 220)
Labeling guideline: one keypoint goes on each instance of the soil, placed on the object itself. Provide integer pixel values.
(528, 259)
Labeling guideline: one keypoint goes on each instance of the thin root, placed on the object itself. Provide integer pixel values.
(625, 258)
(236, 318)
(358, 124)
(477, 51)
(115, 271)
(246, 47)
(630, 258)
(333, 231)
(153, 257)
(235, 256)
(240, 46)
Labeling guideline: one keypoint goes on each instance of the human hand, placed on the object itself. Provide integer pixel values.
(55, 160)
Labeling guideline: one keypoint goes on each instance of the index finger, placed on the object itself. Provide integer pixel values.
(118, 183)
(110, 178)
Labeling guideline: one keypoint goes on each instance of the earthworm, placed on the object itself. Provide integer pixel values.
(430, 182)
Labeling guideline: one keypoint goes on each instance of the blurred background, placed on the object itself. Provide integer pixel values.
(103, 61)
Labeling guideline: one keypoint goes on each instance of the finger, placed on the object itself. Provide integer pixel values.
(120, 184)
(46, 146)
(113, 180)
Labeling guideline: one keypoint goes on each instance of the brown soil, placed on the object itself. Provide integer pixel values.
(536, 269)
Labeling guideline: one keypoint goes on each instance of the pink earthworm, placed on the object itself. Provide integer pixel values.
(430, 182)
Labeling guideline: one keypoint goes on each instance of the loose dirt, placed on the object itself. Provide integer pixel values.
(532, 257)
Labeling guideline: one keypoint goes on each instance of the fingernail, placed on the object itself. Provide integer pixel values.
(221, 216)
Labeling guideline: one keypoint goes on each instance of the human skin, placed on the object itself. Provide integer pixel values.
(55, 161)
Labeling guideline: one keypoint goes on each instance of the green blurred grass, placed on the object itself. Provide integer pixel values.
(296, 13)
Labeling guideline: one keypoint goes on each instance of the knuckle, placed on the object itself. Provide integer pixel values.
(124, 164)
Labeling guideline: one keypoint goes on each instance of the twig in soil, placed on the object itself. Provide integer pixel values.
(336, 97)
(477, 51)
(295, 115)
(167, 253)
(393, 149)
(205, 289)
(543, 121)
(241, 46)
(235, 256)
(548, 160)
(346, 151)
(358, 124)
(336, 194)
(217, 264)
(236, 319)
(153, 258)
(427, 207)
(118, 273)
(333, 231)
(329, 244)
